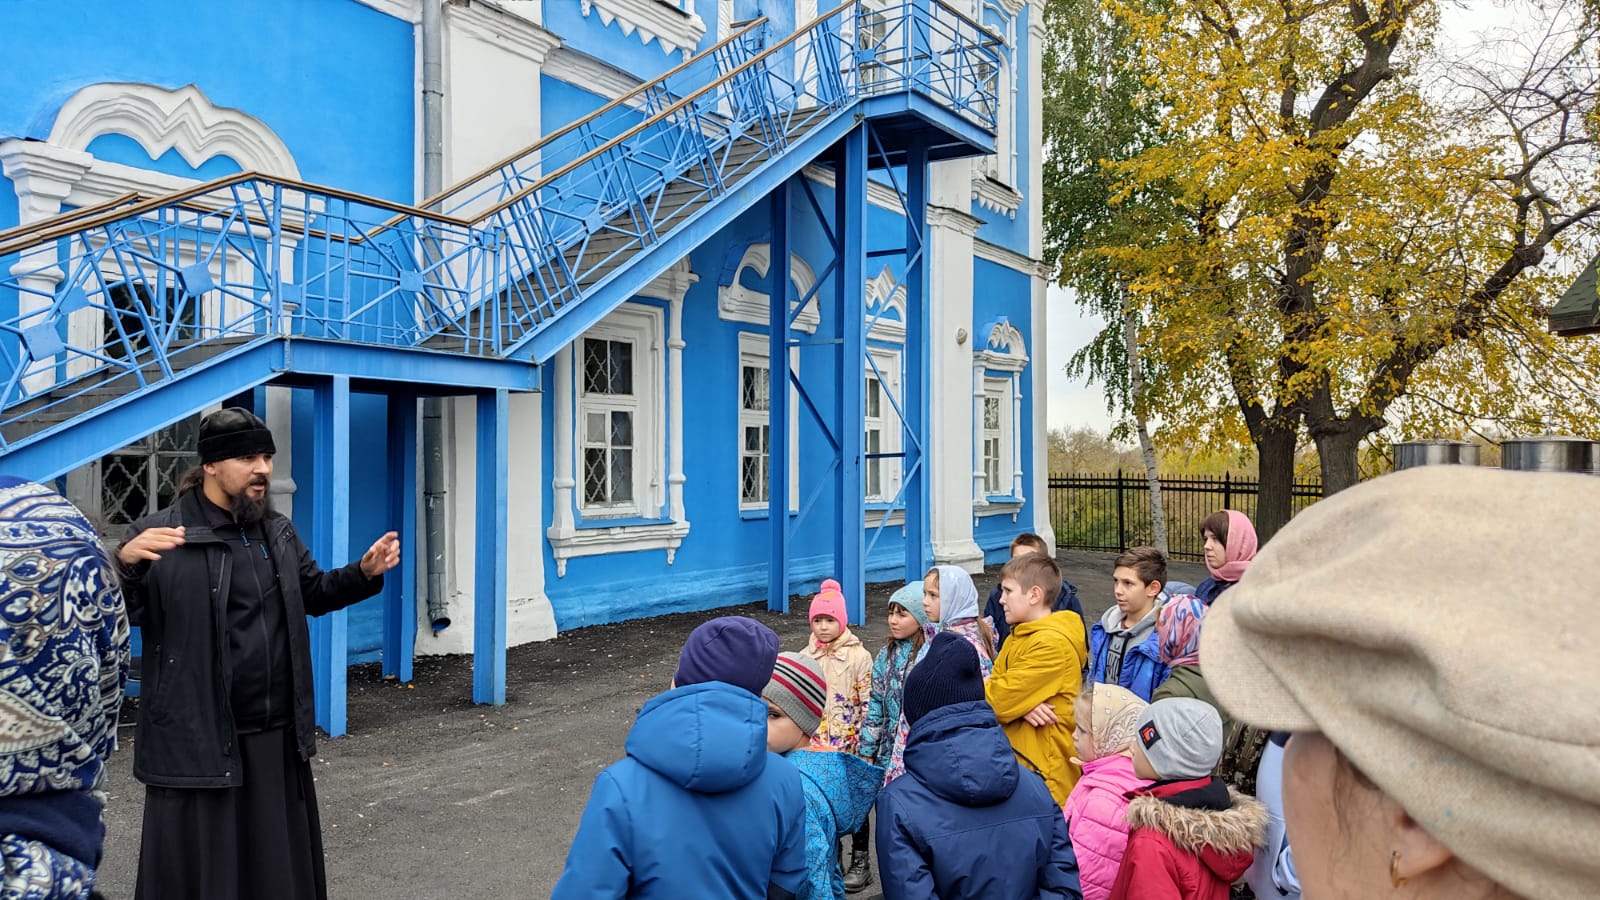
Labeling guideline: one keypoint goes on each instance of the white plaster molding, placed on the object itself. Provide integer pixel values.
(652, 20)
(161, 120)
(1042, 525)
(675, 345)
(737, 303)
(404, 10)
(1011, 259)
(672, 285)
(1036, 23)
(593, 75)
(993, 194)
(1012, 7)
(878, 194)
(498, 26)
(883, 292)
(962, 223)
(1003, 347)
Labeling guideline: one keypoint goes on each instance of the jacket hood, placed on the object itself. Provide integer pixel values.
(1224, 840)
(1068, 624)
(849, 783)
(1112, 622)
(710, 738)
(843, 642)
(960, 753)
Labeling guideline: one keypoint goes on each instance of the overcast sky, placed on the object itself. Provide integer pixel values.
(1074, 403)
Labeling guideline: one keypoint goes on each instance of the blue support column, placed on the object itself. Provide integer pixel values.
(850, 216)
(778, 406)
(919, 547)
(400, 589)
(489, 581)
(330, 503)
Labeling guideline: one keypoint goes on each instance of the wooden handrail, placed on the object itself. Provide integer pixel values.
(574, 125)
(662, 116)
(16, 231)
(62, 226)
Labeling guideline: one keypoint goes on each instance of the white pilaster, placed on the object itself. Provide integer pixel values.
(280, 421)
(950, 238)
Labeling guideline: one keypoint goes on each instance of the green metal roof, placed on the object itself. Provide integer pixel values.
(1578, 310)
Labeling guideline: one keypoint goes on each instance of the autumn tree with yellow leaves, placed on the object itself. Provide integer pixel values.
(1338, 234)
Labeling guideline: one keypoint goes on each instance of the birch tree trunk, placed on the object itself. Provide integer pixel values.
(1158, 512)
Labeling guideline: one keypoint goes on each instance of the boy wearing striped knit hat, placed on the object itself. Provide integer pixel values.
(840, 788)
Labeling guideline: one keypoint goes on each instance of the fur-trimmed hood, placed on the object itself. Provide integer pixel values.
(1223, 839)
(1238, 828)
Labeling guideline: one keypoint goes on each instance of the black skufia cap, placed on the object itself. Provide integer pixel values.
(233, 432)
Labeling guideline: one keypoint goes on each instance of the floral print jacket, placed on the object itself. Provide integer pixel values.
(847, 668)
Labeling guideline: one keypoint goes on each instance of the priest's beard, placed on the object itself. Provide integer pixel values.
(248, 511)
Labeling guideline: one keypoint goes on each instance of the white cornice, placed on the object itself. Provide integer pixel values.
(995, 195)
(653, 20)
(593, 75)
(1036, 23)
(1011, 259)
(878, 194)
(497, 25)
(405, 10)
(953, 219)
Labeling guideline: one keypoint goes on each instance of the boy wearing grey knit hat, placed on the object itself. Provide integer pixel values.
(839, 787)
(1190, 836)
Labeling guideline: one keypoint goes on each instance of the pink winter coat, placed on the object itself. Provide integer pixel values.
(1097, 813)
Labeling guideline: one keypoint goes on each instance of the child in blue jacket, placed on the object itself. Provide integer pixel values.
(966, 821)
(1124, 648)
(698, 807)
(839, 787)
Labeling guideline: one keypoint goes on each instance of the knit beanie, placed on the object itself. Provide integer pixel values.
(1182, 738)
(829, 601)
(947, 675)
(799, 689)
(232, 432)
(909, 598)
(732, 649)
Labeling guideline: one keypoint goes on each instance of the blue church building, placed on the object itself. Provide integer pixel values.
(612, 308)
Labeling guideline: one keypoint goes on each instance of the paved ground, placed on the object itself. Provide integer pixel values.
(429, 796)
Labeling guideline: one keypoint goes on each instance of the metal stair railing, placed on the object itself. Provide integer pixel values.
(125, 297)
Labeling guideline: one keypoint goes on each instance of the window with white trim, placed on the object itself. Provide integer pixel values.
(883, 427)
(755, 430)
(618, 412)
(755, 425)
(996, 431)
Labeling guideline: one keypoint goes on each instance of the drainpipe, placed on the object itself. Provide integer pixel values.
(433, 491)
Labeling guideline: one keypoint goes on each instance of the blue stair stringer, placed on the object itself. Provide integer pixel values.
(135, 315)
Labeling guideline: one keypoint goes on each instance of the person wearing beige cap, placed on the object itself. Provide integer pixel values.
(1410, 635)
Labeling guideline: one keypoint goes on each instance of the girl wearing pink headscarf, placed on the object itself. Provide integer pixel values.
(1230, 545)
(1178, 642)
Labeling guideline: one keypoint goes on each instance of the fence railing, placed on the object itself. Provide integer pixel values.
(1110, 513)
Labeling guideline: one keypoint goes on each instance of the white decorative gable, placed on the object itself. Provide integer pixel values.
(1003, 347)
(737, 303)
(651, 20)
(886, 300)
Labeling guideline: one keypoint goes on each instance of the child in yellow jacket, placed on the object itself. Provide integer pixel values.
(1036, 678)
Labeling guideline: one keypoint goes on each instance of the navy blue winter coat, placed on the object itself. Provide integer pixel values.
(698, 808)
(966, 821)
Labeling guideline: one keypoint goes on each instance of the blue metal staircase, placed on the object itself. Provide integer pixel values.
(133, 315)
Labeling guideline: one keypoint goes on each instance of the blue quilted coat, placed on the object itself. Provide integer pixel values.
(840, 789)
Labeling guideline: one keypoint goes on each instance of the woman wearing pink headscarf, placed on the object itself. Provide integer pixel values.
(1230, 545)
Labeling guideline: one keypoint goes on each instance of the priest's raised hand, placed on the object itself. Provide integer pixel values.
(382, 556)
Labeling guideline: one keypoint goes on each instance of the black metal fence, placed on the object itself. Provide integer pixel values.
(1110, 513)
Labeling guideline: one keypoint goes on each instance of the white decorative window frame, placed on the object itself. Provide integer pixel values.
(60, 172)
(886, 299)
(998, 390)
(755, 347)
(1004, 356)
(737, 303)
(676, 29)
(994, 178)
(889, 361)
(568, 539)
(625, 327)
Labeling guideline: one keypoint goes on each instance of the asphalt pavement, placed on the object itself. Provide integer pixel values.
(430, 796)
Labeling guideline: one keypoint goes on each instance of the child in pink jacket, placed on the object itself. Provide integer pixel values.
(1097, 808)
